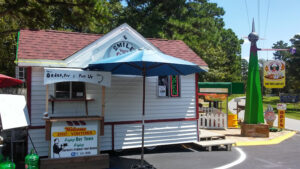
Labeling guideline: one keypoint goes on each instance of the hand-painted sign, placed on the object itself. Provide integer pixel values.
(120, 48)
(213, 97)
(270, 116)
(213, 90)
(274, 74)
(281, 115)
(55, 75)
(281, 106)
(74, 138)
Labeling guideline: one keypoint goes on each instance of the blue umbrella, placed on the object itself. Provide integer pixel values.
(145, 63)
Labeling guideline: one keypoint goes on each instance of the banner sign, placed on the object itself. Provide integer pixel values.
(213, 90)
(274, 74)
(74, 138)
(289, 98)
(281, 115)
(213, 97)
(281, 119)
(55, 75)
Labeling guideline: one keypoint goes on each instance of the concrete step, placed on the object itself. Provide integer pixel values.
(211, 143)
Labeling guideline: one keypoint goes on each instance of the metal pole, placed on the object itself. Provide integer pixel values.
(227, 111)
(143, 120)
(11, 145)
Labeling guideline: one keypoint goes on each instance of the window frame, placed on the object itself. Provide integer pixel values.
(70, 92)
(169, 85)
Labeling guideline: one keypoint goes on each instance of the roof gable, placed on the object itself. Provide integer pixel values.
(69, 49)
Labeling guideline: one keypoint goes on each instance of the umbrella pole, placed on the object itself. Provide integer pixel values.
(143, 121)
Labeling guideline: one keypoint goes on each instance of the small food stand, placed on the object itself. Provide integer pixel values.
(215, 93)
(74, 139)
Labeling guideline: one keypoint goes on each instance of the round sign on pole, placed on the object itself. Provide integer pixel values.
(281, 106)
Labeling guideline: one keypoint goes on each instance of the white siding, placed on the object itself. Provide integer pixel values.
(105, 141)
(162, 133)
(38, 94)
(123, 103)
(39, 141)
(124, 100)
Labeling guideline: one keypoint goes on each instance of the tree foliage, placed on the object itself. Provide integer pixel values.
(74, 15)
(198, 23)
(292, 62)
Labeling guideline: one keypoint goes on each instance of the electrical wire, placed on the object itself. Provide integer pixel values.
(258, 16)
(267, 19)
(247, 15)
(266, 24)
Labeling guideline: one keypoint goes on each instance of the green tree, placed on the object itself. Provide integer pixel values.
(244, 69)
(73, 15)
(198, 23)
(292, 61)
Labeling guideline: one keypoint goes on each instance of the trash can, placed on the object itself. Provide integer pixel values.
(232, 121)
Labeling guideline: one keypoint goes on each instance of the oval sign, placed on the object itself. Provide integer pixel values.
(120, 48)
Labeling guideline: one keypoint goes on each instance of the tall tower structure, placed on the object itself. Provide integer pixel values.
(254, 106)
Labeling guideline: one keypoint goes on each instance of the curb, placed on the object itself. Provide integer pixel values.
(267, 142)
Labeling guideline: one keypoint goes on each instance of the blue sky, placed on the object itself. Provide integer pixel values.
(282, 23)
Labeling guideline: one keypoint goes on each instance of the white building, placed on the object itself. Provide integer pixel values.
(171, 116)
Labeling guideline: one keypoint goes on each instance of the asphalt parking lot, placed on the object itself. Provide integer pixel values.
(186, 156)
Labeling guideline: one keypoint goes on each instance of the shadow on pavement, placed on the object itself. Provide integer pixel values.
(127, 158)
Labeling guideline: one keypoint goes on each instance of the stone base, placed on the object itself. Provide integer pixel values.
(91, 162)
(255, 130)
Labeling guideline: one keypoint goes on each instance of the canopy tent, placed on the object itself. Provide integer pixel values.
(6, 81)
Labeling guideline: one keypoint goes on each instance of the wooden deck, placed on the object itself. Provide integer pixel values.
(209, 139)
(208, 135)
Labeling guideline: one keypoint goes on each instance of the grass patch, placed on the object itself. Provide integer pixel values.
(292, 109)
(224, 104)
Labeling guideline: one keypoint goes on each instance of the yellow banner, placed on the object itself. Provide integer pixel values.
(281, 119)
(74, 131)
(274, 74)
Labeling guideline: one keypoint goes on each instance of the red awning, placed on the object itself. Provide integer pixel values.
(6, 81)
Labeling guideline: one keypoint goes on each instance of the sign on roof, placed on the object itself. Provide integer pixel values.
(13, 111)
(55, 75)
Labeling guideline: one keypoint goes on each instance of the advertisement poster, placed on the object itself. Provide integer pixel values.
(281, 115)
(274, 74)
(214, 97)
(74, 138)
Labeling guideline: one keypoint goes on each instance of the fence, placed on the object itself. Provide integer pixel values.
(212, 118)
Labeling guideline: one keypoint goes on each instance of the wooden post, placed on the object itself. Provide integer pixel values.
(47, 96)
(226, 112)
(102, 111)
(103, 101)
(85, 101)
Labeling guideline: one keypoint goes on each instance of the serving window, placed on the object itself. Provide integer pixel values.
(69, 90)
(169, 86)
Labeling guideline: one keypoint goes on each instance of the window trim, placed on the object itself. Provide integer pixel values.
(169, 87)
(70, 92)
